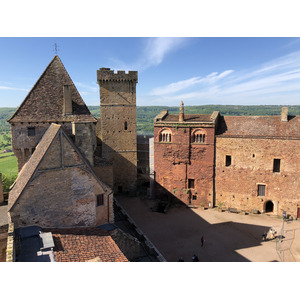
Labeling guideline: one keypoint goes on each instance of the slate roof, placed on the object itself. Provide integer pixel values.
(259, 126)
(44, 103)
(85, 244)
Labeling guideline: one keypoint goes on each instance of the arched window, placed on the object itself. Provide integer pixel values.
(198, 137)
(165, 136)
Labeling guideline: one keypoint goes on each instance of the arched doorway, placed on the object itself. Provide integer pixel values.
(269, 207)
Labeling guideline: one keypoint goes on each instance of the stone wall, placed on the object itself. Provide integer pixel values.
(62, 191)
(3, 242)
(61, 198)
(85, 139)
(143, 164)
(1, 190)
(24, 145)
(117, 126)
(128, 244)
(179, 162)
(252, 161)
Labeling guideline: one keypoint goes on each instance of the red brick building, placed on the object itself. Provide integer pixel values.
(246, 162)
(184, 157)
(258, 163)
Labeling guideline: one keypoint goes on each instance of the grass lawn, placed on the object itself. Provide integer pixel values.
(8, 164)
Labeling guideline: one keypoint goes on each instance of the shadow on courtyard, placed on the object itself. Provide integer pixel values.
(178, 233)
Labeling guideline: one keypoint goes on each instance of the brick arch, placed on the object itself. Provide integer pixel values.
(165, 135)
(198, 136)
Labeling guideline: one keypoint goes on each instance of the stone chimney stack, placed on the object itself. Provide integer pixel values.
(284, 114)
(67, 108)
(181, 112)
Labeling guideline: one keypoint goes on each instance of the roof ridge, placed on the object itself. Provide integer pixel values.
(32, 164)
(44, 101)
(36, 83)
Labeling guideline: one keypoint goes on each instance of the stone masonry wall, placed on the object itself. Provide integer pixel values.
(1, 190)
(24, 145)
(177, 162)
(85, 139)
(118, 125)
(60, 198)
(252, 164)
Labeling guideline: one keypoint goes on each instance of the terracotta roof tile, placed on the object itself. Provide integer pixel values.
(188, 118)
(259, 126)
(45, 100)
(85, 244)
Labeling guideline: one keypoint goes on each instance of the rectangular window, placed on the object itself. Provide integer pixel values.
(228, 160)
(100, 200)
(261, 190)
(276, 165)
(194, 197)
(191, 183)
(31, 131)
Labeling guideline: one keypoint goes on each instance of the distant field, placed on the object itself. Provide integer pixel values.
(8, 164)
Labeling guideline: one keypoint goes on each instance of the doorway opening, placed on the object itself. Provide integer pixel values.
(120, 189)
(269, 207)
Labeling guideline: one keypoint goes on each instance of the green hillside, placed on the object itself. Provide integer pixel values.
(145, 116)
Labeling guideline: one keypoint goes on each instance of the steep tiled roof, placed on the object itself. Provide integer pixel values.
(85, 244)
(259, 126)
(45, 100)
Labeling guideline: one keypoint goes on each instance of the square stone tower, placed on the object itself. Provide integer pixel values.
(118, 132)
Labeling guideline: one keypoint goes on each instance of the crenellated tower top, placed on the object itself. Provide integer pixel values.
(106, 74)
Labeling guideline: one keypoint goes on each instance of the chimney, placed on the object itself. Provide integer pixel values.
(284, 114)
(181, 112)
(67, 107)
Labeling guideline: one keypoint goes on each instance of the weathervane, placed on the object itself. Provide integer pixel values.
(55, 48)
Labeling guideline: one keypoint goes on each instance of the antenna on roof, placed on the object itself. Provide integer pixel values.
(55, 48)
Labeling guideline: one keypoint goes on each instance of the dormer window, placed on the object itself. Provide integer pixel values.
(165, 136)
(198, 137)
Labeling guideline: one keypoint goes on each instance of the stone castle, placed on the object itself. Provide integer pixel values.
(70, 163)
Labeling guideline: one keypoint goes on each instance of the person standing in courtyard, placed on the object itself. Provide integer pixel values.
(195, 258)
(202, 241)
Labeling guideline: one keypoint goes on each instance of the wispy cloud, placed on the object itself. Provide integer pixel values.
(256, 86)
(153, 53)
(157, 48)
(180, 85)
(12, 88)
(87, 89)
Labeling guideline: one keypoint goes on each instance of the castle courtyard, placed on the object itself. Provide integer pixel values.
(229, 237)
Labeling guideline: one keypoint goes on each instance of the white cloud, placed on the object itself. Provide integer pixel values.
(277, 79)
(180, 85)
(12, 88)
(157, 48)
(154, 52)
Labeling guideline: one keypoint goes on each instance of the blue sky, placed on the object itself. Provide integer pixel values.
(246, 71)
